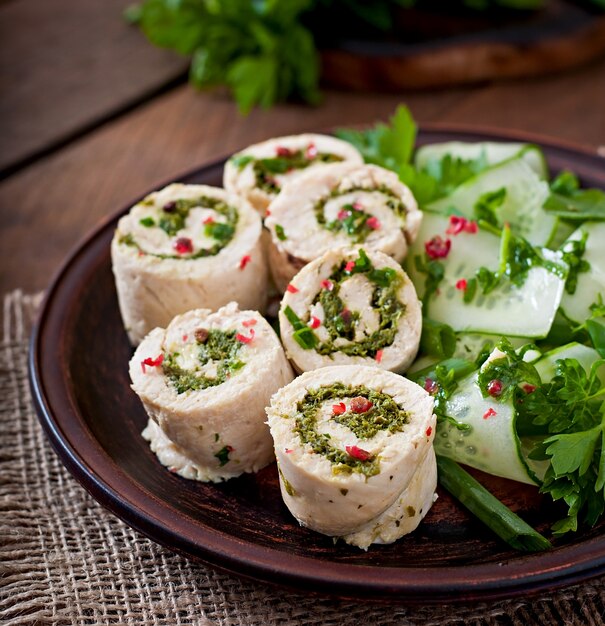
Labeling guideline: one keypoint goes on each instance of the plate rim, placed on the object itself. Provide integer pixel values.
(264, 564)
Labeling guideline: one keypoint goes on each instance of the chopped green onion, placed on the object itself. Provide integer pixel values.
(486, 507)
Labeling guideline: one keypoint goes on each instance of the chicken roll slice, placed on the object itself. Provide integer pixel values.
(259, 172)
(351, 307)
(353, 442)
(205, 381)
(339, 206)
(186, 247)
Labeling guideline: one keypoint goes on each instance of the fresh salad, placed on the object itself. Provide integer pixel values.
(510, 267)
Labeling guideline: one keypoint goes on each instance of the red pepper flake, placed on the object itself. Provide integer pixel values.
(471, 227)
(185, 337)
(461, 284)
(288, 450)
(243, 339)
(360, 405)
(346, 316)
(315, 322)
(311, 152)
(209, 220)
(429, 431)
(438, 248)
(457, 225)
(327, 284)
(489, 413)
(378, 356)
(349, 266)
(358, 206)
(149, 362)
(267, 213)
(281, 151)
(244, 261)
(250, 322)
(494, 387)
(339, 409)
(183, 245)
(358, 453)
(141, 253)
(291, 288)
(373, 223)
(431, 386)
(529, 388)
(343, 214)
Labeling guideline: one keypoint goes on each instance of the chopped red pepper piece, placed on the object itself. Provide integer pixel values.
(267, 213)
(288, 450)
(489, 413)
(358, 206)
(327, 284)
(471, 227)
(343, 214)
(529, 388)
(346, 316)
(250, 322)
(291, 288)
(315, 322)
(209, 220)
(339, 409)
(311, 151)
(185, 337)
(149, 362)
(360, 405)
(282, 151)
(244, 261)
(429, 430)
(373, 223)
(358, 453)
(349, 266)
(437, 248)
(243, 338)
(183, 245)
(378, 356)
(494, 387)
(461, 284)
(431, 386)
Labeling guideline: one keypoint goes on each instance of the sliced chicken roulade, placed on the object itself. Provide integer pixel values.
(354, 452)
(204, 382)
(186, 247)
(339, 205)
(259, 172)
(351, 307)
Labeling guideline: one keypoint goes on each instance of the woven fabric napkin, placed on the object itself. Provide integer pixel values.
(65, 560)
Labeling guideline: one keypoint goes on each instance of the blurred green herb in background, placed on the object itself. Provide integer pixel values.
(265, 51)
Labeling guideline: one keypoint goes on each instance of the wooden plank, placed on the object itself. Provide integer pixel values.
(65, 65)
(48, 207)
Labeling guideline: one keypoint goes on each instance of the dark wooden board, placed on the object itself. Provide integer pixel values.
(78, 369)
(68, 65)
(436, 50)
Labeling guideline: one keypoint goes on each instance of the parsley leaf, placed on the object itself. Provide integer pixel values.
(568, 201)
(388, 145)
(260, 49)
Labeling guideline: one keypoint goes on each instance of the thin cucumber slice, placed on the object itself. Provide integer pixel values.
(526, 311)
(491, 443)
(546, 366)
(492, 152)
(576, 306)
(521, 207)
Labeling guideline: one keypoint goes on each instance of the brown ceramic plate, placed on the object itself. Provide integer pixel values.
(78, 367)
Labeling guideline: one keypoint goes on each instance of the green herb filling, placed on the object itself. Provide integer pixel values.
(385, 414)
(172, 220)
(220, 346)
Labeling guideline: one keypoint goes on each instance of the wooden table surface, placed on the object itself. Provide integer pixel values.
(93, 116)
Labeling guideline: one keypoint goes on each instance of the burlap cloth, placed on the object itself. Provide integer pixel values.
(65, 560)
